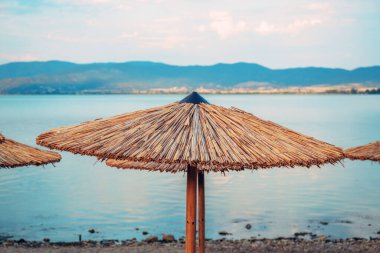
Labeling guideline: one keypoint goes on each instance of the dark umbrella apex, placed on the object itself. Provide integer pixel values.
(194, 98)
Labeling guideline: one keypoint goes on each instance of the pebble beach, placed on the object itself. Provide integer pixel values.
(153, 245)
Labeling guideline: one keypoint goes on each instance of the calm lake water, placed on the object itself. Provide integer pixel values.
(79, 193)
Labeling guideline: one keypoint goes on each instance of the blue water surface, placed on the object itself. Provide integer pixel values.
(79, 193)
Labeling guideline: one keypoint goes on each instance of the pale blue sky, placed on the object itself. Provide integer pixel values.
(276, 34)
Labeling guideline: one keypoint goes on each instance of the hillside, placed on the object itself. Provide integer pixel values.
(58, 77)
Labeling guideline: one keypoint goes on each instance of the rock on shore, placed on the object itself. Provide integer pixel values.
(292, 244)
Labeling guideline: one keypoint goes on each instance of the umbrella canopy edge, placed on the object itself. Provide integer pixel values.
(14, 154)
(370, 151)
(182, 167)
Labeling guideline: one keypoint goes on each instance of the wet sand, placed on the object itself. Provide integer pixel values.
(321, 244)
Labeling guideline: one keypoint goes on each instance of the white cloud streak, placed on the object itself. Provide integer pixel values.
(226, 26)
(294, 27)
(223, 24)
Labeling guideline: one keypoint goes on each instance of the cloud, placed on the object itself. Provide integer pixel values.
(319, 6)
(165, 32)
(226, 26)
(265, 28)
(302, 24)
(223, 24)
(194, 32)
(6, 5)
(67, 38)
(101, 5)
(21, 57)
(165, 42)
(294, 27)
(126, 35)
(85, 2)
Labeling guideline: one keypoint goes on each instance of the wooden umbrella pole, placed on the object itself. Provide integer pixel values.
(191, 209)
(201, 212)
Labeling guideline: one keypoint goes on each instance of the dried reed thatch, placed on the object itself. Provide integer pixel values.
(211, 137)
(14, 154)
(370, 151)
(164, 167)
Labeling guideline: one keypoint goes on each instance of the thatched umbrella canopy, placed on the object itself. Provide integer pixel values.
(15, 154)
(194, 136)
(161, 167)
(370, 151)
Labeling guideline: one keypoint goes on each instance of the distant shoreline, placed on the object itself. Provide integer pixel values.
(295, 90)
(58, 77)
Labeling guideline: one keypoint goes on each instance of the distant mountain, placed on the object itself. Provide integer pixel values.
(66, 77)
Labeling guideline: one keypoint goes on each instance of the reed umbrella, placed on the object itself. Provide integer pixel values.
(370, 151)
(196, 137)
(15, 154)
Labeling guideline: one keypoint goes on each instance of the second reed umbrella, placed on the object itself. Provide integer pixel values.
(15, 154)
(370, 151)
